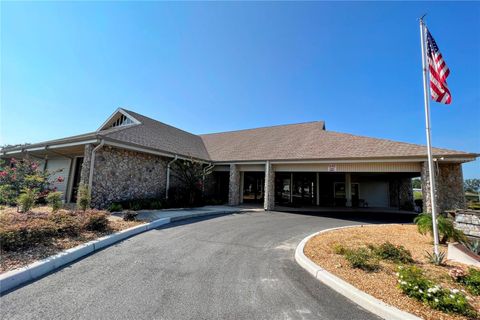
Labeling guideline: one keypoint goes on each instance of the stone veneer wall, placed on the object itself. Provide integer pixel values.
(234, 186)
(401, 193)
(122, 175)
(469, 222)
(87, 156)
(269, 201)
(449, 183)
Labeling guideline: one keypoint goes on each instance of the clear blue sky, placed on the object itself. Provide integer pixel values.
(207, 67)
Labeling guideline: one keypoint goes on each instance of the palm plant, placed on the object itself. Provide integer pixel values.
(446, 229)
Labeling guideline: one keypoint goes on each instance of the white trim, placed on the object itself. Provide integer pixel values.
(445, 159)
(55, 146)
(114, 114)
(72, 144)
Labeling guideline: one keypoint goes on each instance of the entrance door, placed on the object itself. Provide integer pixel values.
(76, 178)
(253, 183)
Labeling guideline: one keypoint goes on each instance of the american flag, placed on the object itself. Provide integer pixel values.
(438, 72)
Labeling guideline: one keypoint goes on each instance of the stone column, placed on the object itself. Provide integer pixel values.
(348, 189)
(234, 186)
(269, 192)
(449, 182)
(87, 156)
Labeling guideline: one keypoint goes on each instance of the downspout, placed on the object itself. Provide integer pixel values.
(92, 163)
(167, 187)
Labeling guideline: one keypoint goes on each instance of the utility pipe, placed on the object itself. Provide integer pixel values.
(168, 176)
(92, 163)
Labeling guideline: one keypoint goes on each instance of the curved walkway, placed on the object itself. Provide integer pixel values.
(238, 266)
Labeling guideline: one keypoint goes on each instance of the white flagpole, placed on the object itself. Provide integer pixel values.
(431, 170)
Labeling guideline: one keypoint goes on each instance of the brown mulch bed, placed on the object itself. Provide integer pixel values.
(383, 284)
(10, 260)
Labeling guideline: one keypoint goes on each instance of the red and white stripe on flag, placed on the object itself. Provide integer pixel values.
(438, 72)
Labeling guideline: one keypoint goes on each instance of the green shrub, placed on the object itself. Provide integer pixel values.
(362, 258)
(26, 200)
(389, 251)
(471, 281)
(413, 283)
(8, 195)
(130, 216)
(83, 197)
(54, 199)
(26, 234)
(95, 221)
(66, 224)
(115, 207)
(446, 228)
(339, 249)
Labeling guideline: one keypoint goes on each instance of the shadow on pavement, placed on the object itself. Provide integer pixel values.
(367, 217)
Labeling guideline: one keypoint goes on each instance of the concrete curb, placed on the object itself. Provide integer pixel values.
(17, 277)
(361, 298)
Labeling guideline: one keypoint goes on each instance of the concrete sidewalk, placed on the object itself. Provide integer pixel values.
(187, 213)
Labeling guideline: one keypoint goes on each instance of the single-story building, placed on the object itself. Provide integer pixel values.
(302, 164)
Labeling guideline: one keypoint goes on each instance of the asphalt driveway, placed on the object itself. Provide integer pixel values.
(238, 266)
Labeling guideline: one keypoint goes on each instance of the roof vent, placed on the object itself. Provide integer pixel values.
(119, 118)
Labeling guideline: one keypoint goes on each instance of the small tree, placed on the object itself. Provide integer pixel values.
(190, 174)
(18, 175)
(472, 185)
(54, 199)
(26, 199)
(83, 197)
(416, 183)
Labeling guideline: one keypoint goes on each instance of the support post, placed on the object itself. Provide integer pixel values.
(348, 189)
(269, 192)
(234, 186)
(317, 189)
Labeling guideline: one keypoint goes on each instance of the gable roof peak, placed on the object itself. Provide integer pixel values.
(119, 118)
(320, 123)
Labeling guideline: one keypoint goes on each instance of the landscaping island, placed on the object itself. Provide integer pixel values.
(391, 264)
(40, 233)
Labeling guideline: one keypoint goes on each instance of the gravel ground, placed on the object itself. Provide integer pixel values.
(383, 284)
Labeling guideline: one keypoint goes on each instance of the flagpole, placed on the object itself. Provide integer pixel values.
(431, 171)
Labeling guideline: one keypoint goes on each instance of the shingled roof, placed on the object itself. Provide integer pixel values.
(159, 136)
(307, 141)
(302, 141)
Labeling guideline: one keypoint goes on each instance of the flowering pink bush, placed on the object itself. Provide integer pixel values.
(18, 175)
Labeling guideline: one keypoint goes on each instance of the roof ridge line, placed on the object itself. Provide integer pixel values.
(163, 123)
(265, 127)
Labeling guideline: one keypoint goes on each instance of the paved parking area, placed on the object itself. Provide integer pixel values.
(236, 266)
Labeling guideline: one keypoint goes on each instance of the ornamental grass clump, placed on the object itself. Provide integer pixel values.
(414, 284)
